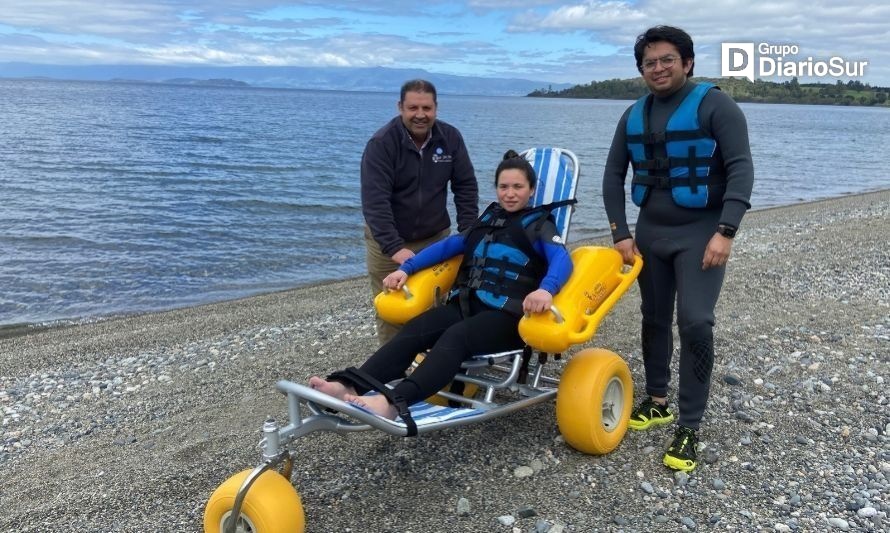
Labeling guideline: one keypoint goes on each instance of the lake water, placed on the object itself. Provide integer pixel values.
(122, 198)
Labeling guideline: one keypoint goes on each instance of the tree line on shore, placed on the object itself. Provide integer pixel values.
(852, 92)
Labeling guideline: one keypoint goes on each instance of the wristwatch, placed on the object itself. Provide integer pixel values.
(726, 230)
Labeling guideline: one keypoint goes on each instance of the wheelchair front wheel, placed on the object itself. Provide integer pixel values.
(271, 505)
(594, 401)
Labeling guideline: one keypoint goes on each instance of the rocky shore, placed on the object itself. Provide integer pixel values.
(128, 425)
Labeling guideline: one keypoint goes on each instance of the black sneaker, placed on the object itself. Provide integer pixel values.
(648, 414)
(681, 453)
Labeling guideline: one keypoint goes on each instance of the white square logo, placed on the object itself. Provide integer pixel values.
(737, 60)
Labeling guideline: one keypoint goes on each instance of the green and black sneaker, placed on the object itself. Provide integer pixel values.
(648, 414)
(681, 453)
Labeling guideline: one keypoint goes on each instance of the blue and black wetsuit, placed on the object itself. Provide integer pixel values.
(672, 238)
(476, 320)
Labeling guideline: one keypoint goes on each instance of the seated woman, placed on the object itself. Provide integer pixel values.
(513, 263)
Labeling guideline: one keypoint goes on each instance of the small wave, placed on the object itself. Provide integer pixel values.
(240, 167)
(280, 205)
(204, 139)
(48, 240)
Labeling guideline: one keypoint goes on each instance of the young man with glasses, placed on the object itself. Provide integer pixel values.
(692, 178)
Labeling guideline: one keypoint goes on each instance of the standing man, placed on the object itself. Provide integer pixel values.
(406, 168)
(692, 179)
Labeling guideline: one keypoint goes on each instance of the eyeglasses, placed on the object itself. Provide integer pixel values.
(666, 61)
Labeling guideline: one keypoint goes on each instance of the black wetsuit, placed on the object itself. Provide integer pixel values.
(672, 240)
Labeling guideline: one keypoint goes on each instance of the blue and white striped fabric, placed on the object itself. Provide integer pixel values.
(426, 413)
(557, 171)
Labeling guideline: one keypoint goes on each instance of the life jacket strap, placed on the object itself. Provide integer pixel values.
(663, 137)
(665, 163)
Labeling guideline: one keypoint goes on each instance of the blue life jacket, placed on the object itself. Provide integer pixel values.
(686, 166)
(501, 265)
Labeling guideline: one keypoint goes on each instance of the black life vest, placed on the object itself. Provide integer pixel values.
(501, 266)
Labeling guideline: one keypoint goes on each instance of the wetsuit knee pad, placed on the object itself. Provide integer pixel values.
(697, 340)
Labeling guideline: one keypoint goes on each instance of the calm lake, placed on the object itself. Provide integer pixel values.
(121, 198)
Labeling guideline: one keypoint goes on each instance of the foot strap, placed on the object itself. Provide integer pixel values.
(365, 381)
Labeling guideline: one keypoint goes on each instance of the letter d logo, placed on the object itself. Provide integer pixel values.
(737, 60)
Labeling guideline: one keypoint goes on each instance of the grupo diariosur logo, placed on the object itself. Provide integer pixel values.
(783, 60)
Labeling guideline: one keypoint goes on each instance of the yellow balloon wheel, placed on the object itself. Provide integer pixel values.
(594, 401)
(272, 505)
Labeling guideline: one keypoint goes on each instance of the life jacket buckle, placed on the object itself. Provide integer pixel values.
(661, 163)
(656, 137)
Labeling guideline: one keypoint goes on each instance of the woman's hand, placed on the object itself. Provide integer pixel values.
(537, 301)
(395, 281)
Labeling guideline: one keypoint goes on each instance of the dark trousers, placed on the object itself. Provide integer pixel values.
(451, 339)
(381, 265)
(672, 273)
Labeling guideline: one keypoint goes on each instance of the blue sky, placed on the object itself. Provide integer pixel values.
(573, 42)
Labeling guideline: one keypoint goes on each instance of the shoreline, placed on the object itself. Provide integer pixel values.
(130, 424)
(27, 328)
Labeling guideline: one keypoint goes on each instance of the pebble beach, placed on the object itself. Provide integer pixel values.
(129, 424)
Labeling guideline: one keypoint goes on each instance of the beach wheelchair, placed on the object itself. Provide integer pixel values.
(593, 394)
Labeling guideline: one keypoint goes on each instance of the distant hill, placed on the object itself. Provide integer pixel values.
(376, 79)
(742, 90)
(215, 82)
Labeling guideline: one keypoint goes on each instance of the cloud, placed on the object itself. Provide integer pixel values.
(574, 41)
(593, 16)
(854, 29)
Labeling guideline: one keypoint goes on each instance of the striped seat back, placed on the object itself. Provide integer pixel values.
(557, 170)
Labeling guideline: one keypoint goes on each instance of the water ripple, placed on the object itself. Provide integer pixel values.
(122, 198)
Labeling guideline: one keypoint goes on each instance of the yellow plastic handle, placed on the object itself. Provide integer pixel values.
(592, 321)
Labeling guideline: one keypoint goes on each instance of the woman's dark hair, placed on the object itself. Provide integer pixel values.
(670, 34)
(512, 160)
(417, 86)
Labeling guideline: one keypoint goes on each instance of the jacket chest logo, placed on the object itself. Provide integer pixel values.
(439, 156)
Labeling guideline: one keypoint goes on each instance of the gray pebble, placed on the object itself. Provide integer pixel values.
(523, 472)
(732, 379)
(744, 416)
(680, 478)
(710, 455)
(507, 520)
(867, 512)
(526, 512)
(463, 507)
(839, 523)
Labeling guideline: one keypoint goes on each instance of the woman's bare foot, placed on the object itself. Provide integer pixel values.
(377, 404)
(331, 388)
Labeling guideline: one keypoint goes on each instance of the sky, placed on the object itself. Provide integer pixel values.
(558, 42)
